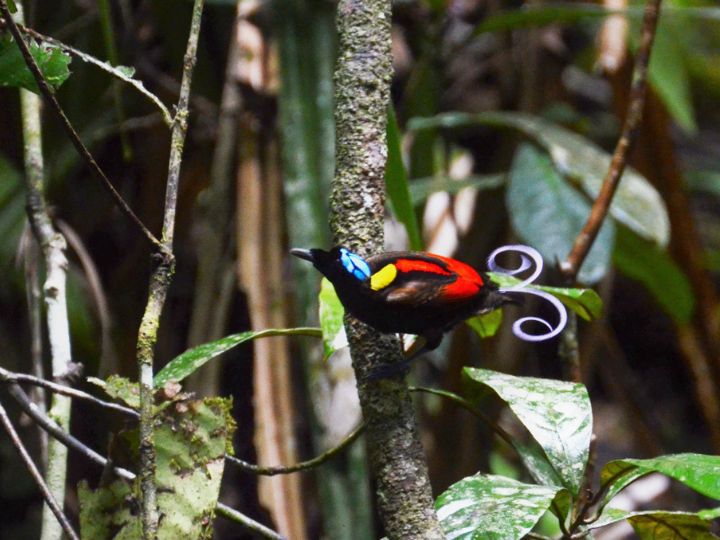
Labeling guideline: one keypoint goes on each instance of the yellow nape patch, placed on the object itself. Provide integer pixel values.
(383, 277)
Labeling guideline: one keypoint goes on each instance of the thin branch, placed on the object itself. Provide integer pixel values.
(32, 469)
(303, 465)
(52, 428)
(49, 96)
(12, 377)
(250, 524)
(585, 239)
(160, 280)
(115, 71)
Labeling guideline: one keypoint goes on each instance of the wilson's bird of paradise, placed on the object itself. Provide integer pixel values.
(425, 294)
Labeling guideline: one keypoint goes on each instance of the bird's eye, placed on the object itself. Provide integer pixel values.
(354, 264)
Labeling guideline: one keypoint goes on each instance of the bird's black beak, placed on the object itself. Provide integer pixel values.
(303, 254)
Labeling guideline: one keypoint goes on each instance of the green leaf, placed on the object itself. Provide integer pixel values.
(53, 64)
(11, 6)
(119, 388)
(556, 413)
(548, 214)
(653, 267)
(585, 302)
(109, 511)
(396, 183)
(697, 471)
(422, 188)
(670, 526)
(332, 313)
(491, 507)
(660, 525)
(183, 365)
(486, 325)
(636, 203)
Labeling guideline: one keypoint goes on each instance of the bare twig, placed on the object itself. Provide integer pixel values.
(11, 377)
(49, 96)
(585, 239)
(53, 429)
(160, 280)
(303, 465)
(32, 469)
(250, 524)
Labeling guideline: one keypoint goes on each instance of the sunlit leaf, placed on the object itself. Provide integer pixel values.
(331, 320)
(556, 413)
(699, 472)
(396, 183)
(548, 214)
(491, 507)
(183, 365)
(585, 302)
(53, 64)
(660, 525)
(486, 325)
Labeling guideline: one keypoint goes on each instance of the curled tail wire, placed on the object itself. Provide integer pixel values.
(529, 258)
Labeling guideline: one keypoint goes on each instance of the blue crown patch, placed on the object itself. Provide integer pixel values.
(354, 264)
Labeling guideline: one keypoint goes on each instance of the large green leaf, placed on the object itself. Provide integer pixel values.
(491, 507)
(697, 471)
(556, 413)
(636, 204)
(396, 183)
(653, 267)
(332, 324)
(53, 64)
(183, 365)
(548, 214)
(585, 302)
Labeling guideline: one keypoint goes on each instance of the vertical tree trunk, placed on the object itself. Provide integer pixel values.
(362, 80)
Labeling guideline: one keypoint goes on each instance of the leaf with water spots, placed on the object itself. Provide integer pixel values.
(556, 413)
(492, 507)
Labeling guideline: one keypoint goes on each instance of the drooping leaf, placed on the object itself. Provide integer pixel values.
(699, 472)
(331, 320)
(396, 183)
(636, 203)
(422, 188)
(556, 413)
(183, 365)
(486, 325)
(548, 214)
(53, 64)
(531, 16)
(653, 267)
(491, 507)
(585, 302)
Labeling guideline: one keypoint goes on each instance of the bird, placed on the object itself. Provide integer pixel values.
(407, 292)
